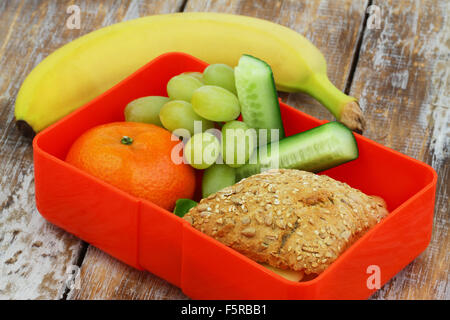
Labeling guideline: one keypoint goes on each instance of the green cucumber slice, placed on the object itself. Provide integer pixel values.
(257, 95)
(314, 150)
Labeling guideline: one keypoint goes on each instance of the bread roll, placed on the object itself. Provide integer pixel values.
(289, 219)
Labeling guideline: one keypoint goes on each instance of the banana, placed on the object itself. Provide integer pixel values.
(82, 69)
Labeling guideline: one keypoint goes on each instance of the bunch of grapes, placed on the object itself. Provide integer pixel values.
(202, 108)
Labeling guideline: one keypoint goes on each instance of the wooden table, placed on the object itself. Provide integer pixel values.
(399, 71)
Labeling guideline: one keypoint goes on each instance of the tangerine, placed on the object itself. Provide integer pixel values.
(134, 157)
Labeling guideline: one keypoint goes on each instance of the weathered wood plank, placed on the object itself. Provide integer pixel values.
(402, 82)
(35, 255)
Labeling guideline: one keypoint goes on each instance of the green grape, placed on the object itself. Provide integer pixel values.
(182, 86)
(215, 103)
(196, 75)
(217, 177)
(202, 150)
(220, 75)
(238, 143)
(145, 110)
(178, 114)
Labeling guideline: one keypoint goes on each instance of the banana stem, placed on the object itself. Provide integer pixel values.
(345, 108)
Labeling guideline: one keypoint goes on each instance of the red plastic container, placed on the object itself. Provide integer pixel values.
(148, 237)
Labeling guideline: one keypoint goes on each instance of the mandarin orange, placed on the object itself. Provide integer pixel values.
(134, 157)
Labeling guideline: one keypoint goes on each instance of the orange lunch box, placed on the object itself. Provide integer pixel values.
(148, 237)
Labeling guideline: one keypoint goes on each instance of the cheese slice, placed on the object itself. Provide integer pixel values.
(287, 274)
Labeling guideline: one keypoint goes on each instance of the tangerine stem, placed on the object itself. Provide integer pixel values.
(126, 140)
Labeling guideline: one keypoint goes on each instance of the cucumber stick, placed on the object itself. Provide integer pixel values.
(313, 150)
(258, 96)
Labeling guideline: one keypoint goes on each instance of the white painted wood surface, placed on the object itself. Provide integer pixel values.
(400, 73)
(402, 81)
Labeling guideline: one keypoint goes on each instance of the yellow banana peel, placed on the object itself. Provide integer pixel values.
(84, 68)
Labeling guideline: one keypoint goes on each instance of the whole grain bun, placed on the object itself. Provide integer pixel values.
(289, 219)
